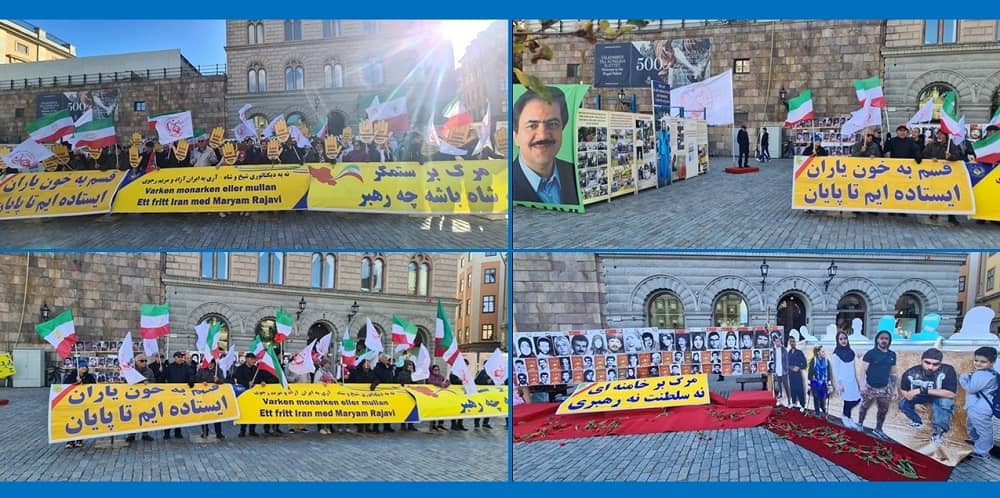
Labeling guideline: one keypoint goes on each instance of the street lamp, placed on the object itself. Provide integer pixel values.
(831, 271)
(783, 97)
(44, 311)
(763, 274)
(302, 308)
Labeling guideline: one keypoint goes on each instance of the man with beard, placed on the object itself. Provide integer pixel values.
(879, 365)
(930, 383)
(538, 132)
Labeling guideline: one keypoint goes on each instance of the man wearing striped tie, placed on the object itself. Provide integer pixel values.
(538, 131)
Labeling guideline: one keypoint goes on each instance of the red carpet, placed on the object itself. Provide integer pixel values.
(736, 170)
(870, 458)
(538, 422)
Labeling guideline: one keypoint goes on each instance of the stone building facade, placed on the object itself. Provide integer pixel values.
(822, 55)
(483, 73)
(24, 42)
(244, 290)
(572, 291)
(957, 55)
(103, 290)
(988, 288)
(482, 286)
(311, 69)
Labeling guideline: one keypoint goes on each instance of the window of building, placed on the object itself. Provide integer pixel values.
(572, 70)
(489, 254)
(908, 312)
(666, 311)
(255, 33)
(293, 30)
(139, 106)
(366, 274)
(371, 273)
(490, 276)
(959, 306)
(730, 310)
(252, 81)
(333, 76)
(271, 267)
(468, 307)
(939, 31)
(487, 333)
(329, 271)
(331, 29)
(468, 281)
(294, 77)
(418, 275)
(371, 74)
(961, 283)
(20, 47)
(741, 66)
(461, 285)
(852, 305)
(256, 79)
(489, 304)
(316, 270)
(370, 27)
(989, 278)
(19, 112)
(215, 265)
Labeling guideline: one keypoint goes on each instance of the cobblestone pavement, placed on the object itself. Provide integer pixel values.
(744, 455)
(285, 230)
(476, 455)
(724, 211)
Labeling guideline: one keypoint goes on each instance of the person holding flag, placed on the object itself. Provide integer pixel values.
(269, 371)
(324, 375)
(209, 374)
(383, 373)
(245, 376)
(81, 376)
(457, 377)
(141, 366)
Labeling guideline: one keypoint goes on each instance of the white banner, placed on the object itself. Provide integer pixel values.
(714, 96)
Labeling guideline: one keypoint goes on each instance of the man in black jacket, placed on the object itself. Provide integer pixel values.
(743, 140)
(244, 376)
(483, 379)
(902, 146)
(178, 372)
(383, 374)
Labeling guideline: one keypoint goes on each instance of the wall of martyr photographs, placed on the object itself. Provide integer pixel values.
(579, 356)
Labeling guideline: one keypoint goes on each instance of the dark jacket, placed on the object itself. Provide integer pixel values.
(404, 376)
(208, 375)
(872, 149)
(360, 376)
(943, 151)
(244, 374)
(765, 140)
(158, 371)
(820, 151)
(902, 148)
(483, 378)
(70, 378)
(383, 373)
(178, 374)
(743, 139)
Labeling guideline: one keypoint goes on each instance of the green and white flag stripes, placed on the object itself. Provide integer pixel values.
(154, 320)
(404, 333)
(446, 344)
(270, 364)
(50, 128)
(59, 332)
(950, 123)
(257, 347)
(94, 135)
(348, 350)
(871, 90)
(988, 149)
(800, 109)
(284, 323)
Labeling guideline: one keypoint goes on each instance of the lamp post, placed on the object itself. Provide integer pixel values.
(783, 96)
(302, 308)
(831, 271)
(44, 311)
(763, 274)
(350, 318)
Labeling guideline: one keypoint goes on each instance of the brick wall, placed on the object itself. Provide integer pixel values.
(556, 291)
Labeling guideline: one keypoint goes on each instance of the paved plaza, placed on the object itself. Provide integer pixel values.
(475, 455)
(723, 211)
(274, 230)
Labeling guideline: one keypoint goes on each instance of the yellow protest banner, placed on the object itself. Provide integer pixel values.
(468, 187)
(214, 189)
(42, 195)
(98, 410)
(436, 403)
(326, 404)
(986, 188)
(841, 183)
(6, 365)
(652, 392)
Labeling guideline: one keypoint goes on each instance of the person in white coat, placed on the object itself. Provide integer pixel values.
(845, 379)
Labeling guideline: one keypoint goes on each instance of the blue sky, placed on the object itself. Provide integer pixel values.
(202, 42)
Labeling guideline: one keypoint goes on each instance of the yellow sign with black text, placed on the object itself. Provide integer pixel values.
(215, 189)
(6, 365)
(99, 410)
(986, 187)
(326, 404)
(436, 403)
(841, 183)
(651, 392)
(467, 187)
(43, 195)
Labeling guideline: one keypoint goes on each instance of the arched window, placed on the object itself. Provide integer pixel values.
(294, 77)
(300, 78)
(363, 332)
(260, 32)
(908, 313)
(293, 30)
(366, 274)
(730, 310)
(261, 80)
(411, 279)
(251, 34)
(295, 118)
(331, 29)
(377, 275)
(338, 76)
(213, 318)
(327, 76)
(329, 271)
(936, 92)
(317, 331)
(316, 270)
(270, 267)
(852, 305)
(666, 311)
(252, 81)
(424, 279)
(418, 275)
